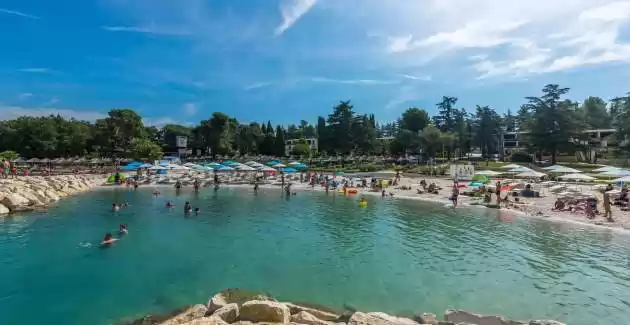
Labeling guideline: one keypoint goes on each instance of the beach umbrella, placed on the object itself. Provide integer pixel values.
(278, 165)
(273, 162)
(552, 167)
(189, 164)
(213, 164)
(145, 166)
(511, 166)
(622, 180)
(33, 160)
(488, 173)
(158, 167)
(178, 167)
(605, 169)
(224, 169)
(244, 168)
(266, 169)
(251, 163)
(295, 163)
(564, 170)
(618, 172)
(129, 168)
(519, 169)
(530, 174)
(577, 177)
(229, 163)
(288, 170)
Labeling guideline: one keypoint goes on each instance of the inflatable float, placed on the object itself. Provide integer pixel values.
(109, 241)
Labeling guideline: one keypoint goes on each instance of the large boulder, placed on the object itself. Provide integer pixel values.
(190, 314)
(14, 201)
(264, 311)
(321, 314)
(236, 296)
(304, 317)
(207, 321)
(359, 318)
(228, 313)
(4, 210)
(462, 316)
(426, 318)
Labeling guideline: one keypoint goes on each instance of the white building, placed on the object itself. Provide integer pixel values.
(289, 144)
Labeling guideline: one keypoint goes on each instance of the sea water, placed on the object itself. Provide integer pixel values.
(396, 256)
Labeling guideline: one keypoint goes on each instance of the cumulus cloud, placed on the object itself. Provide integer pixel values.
(17, 13)
(508, 38)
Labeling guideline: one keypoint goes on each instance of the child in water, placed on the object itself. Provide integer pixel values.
(115, 207)
(187, 207)
(196, 211)
(123, 229)
(169, 205)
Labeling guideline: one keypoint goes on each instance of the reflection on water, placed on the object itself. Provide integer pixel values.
(394, 256)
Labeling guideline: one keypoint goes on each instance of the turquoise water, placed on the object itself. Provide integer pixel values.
(393, 256)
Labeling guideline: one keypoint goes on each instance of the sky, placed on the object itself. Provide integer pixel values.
(177, 61)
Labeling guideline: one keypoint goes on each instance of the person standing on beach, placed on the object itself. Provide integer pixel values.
(454, 196)
(607, 208)
(6, 168)
(498, 191)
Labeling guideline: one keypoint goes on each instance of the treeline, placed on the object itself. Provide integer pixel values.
(455, 131)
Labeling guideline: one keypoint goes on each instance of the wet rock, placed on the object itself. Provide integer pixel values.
(461, 316)
(194, 312)
(426, 318)
(228, 313)
(304, 317)
(359, 318)
(4, 210)
(264, 311)
(321, 314)
(236, 296)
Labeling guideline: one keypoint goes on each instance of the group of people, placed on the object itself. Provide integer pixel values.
(188, 208)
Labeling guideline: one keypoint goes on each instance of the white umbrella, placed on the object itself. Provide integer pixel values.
(577, 177)
(295, 163)
(244, 168)
(178, 167)
(158, 167)
(618, 172)
(531, 174)
(552, 167)
(266, 169)
(189, 164)
(519, 169)
(279, 166)
(606, 169)
(565, 170)
(623, 179)
(487, 173)
(511, 166)
(251, 163)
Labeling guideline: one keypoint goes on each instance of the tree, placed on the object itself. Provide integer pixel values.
(622, 122)
(9, 155)
(445, 120)
(169, 134)
(340, 122)
(279, 143)
(510, 121)
(145, 149)
(553, 121)
(122, 126)
(363, 135)
(414, 119)
(301, 148)
(487, 126)
(406, 141)
(322, 134)
(595, 113)
(432, 140)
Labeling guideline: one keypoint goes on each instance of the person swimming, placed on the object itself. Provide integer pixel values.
(197, 211)
(123, 229)
(108, 239)
(178, 185)
(115, 207)
(187, 207)
(363, 201)
(169, 204)
(156, 192)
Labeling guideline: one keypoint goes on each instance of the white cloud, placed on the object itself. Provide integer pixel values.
(190, 109)
(35, 70)
(292, 11)
(405, 95)
(17, 13)
(417, 78)
(518, 38)
(258, 85)
(12, 112)
(54, 100)
(365, 82)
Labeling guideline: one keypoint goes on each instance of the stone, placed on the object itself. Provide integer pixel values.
(4, 210)
(323, 315)
(359, 318)
(462, 316)
(194, 312)
(236, 296)
(426, 318)
(443, 322)
(545, 322)
(228, 313)
(206, 321)
(304, 317)
(14, 201)
(265, 311)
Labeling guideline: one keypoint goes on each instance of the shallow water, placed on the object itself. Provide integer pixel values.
(394, 256)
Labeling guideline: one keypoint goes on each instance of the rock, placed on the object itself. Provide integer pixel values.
(4, 210)
(445, 323)
(359, 318)
(236, 296)
(228, 313)
(304, 317)
(207, 321)
(545, 322)
(323, 315)
(461, 316)
(194, 312)
(426, 318)
(264, 311)
(14, 201)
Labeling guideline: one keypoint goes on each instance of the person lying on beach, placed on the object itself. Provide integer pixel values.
(623, 198)
(559, 205)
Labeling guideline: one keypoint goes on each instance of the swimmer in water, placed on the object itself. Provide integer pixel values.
(196, 211)
(108, 239)
(169, 204)
(156, 192)
(115, 207)
(123, 229)
(187, 207)
(363, 201)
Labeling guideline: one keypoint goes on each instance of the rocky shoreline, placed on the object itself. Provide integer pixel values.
(31, 193)
(233, 306)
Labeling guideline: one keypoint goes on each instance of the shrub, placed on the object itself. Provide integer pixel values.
(520, 156)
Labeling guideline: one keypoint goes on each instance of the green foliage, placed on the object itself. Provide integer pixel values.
(414, 119)
(9, 155)
(145, 149)
(301, 148)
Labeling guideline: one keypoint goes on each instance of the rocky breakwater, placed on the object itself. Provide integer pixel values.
(237, 307)
(36, 192)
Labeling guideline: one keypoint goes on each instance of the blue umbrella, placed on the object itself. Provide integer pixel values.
(223, 169)
(213, 164)
(273, 162)
(128, 168)
(229, 163)
(288, 170)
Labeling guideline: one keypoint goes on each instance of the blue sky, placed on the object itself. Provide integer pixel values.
(286, 60)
